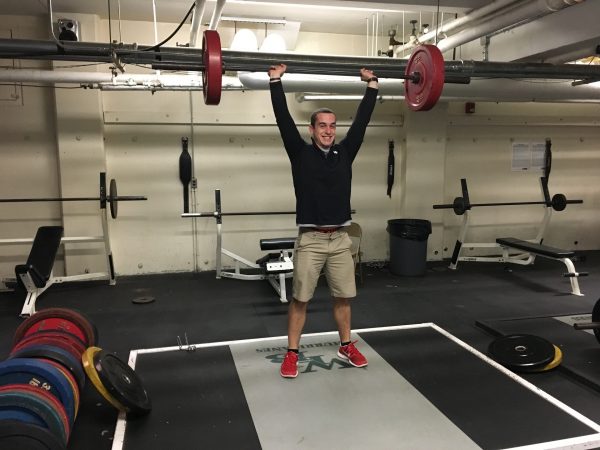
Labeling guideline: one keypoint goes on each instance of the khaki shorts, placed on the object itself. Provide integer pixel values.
(315, 251)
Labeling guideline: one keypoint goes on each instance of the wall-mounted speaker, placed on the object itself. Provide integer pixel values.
(68, 30)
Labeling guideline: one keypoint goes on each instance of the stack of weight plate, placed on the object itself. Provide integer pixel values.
(41, 380)
(525, 353)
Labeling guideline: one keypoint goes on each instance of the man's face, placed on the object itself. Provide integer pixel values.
(323, 132)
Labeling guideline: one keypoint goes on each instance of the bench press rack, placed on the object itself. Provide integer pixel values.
(529, 249)
(275, 268)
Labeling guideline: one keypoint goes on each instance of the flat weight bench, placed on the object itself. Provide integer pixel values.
(277, 266)
(547, 252)
(35, 276)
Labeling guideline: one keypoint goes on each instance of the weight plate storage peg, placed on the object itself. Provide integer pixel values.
(522, 352)
(426, 74)
(116, 382)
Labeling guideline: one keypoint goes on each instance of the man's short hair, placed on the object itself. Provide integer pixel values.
(313, 116)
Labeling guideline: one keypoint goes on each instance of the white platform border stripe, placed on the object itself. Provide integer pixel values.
(562, 406)
(580, 442)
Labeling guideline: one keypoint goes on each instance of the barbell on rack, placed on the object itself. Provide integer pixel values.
(112, 198)
(559, 202)
(425, 71)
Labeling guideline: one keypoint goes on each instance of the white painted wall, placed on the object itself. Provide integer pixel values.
(237, 149)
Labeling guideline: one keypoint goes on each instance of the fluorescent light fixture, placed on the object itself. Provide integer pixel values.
(254, 20)
(316, 6)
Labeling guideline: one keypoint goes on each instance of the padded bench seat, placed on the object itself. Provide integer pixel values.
(285, 243)
(42, 255)
(538, 249)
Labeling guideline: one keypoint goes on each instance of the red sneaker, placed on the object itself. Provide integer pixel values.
(351, 354)
(289, 367)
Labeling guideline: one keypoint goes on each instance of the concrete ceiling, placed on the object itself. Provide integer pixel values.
(333, 16)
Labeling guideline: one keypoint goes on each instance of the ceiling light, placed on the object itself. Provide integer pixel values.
(244, 40)
(273, 43)
(254, 20)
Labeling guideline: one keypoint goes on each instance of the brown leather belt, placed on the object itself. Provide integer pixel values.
(326, 230)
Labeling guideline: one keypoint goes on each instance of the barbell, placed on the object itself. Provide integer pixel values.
(112, 198)
(559, 202)
(594, 324)
(425, 71)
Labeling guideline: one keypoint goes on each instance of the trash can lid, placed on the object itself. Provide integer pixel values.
(417, 229)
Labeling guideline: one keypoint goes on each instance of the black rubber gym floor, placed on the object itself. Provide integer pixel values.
(202, 309)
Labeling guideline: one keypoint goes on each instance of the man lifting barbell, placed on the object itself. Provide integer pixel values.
(322, 174)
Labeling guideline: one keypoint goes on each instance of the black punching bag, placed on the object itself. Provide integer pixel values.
(185, 173)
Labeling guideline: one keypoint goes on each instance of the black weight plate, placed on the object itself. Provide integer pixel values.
(142, 300)
(522, 352)
(25, 436)
(122, 383)
(66, 359)
(112, 198)
(558, 356)
(596, 318)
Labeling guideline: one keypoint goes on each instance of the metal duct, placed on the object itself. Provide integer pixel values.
(216, 17)
(108, 81)
(456, 24)
(518, 14)
(485, 90)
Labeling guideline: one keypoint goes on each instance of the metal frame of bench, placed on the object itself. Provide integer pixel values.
(276, 280)
(33, 294)
(537, 249)
(523, 258)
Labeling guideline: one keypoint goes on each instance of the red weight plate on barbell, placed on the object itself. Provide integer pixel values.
(427, 63)
(213, 67)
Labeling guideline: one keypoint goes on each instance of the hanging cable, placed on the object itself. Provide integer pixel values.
(437, 22)
(120, 37)
(168, 38)
(52, 25)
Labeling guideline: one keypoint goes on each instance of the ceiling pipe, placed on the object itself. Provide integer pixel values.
(216, 17)
(534, 9)
(196, 22)
(494, 90)
(303, 97)
(140, 81)
(456, 24)
(484, 90)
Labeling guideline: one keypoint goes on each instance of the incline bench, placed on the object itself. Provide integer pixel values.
(546, 252)
(35, 275)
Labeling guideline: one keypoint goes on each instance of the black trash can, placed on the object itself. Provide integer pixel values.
(408, 246)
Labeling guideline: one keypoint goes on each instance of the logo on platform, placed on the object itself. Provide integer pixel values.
(311, 357)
